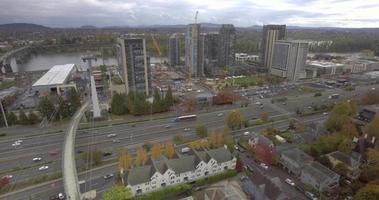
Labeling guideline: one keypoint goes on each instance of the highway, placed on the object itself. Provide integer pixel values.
(129, 136)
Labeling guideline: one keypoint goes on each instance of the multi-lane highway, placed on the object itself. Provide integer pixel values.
(20, 159)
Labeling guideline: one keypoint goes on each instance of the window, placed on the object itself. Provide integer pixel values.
(206, 173)
(139, 191)
(226, 167)
(186, 178)
(172, 177)
(163, 184)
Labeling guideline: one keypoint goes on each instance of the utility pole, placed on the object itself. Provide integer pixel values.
(2, 111)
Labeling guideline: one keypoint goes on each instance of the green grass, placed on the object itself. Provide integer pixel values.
(167, 193)
(7, 84)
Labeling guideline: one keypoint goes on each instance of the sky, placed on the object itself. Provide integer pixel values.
(242, 13)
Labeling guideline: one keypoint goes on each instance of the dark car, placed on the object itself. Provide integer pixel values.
(107, 154)
(79, 151)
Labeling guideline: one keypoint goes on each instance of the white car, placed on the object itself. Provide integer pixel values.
(60, 196)
(111, 135)
(325, 113)
(37, 159)
(43, 168)
(289, 182)
(258, 103)
(236, 147)
(264, 166)
(187, 129)
(246, 133)
(220, 114)
(19, 141)
(16, 144)
(116, 141)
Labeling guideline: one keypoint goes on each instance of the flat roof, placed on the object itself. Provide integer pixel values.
(57, 75)
(323, 64)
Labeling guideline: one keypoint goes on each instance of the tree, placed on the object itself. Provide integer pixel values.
(4, 181)
(340, 115)
(368, 192)
(74, 99)
(371, 171)
(341, 169)
(23, 119)
(119, 104)
(46, 107)
(324, 160)
(201, 130)
(92, 158)
(264, 116)
(345, 145)
(169, 150)
(125, 160)
(178, 139)
(169, 99)
(349, 129)
(215, 140)
(373, 127)
(264, 153)
(189, 104)
(195, 144)
(204, 143)
(11, 118)
(234, 120)
(370, 98)
(156, 151)
(33, 118)
(63, 109)
(141, 156)
(117, 193)
(158, 103)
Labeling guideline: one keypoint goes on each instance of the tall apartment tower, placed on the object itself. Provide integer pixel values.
(194, 50)
(135, 64)
(289, 59)
(227, 36)
(271, 33)
(211, 52)
(173, 50)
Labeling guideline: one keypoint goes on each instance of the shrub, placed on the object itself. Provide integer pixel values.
(167, 193)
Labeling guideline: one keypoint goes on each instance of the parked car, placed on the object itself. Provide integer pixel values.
(244, 178)
(45, 167)
(79, 151)
(310, 196)
(246, 133)
(220, 114)
(108, 176)
(289, 182)
(187, 129)
(167, 126)
(264, 166)
(116, 141)
(61, 196)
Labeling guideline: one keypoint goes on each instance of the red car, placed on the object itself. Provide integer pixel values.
(53, 152)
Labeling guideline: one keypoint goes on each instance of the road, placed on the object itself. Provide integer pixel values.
(128, 136)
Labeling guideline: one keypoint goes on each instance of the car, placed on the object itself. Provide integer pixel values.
(264, 166)
(257, 103)
(236, 147)
(324, 113)
(8, 176)
(37, 159)
(111, 135)
(250, 168)
(310, 196)
(16, 144)
(261, 107)
(61, 196)
(289, 182)
(19, 141)
(220, 114)
(133, 125)
(187, 129)
(107, 154)
(167, 126)
(108, 176)
(284, 103)
(79, 151)
(116, 141)
(45, 167)
(244, 178)
(53, 152)
(246, 133)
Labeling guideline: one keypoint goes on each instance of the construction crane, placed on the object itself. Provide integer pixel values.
(156, 45)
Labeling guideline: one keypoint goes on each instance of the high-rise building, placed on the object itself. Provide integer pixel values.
(211, 46)
(289, 59)
(227, 42)
(135, 64)
(271, 33)
(194, 50)
(173, 50)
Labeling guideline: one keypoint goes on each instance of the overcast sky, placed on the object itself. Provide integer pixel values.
(74, 13)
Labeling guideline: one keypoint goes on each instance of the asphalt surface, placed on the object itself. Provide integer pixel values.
(128, 136)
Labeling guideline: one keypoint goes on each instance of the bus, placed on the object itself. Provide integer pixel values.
(185, 118)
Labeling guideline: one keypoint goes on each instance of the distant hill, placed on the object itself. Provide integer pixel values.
(88, 27)
(22, 27)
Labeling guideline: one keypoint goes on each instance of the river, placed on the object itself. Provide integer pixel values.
(46, 61)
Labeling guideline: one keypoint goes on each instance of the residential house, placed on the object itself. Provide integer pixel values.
(352, 162)
(319, 177)
(258, 139)
(265, 188)
(181, 169)
(293, 160)
(368, 113)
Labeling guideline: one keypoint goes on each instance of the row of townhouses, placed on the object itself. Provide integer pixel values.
(184, 167)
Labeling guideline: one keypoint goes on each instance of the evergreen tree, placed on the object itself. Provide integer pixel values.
(23, 119)
(158, 104)
(46, 107)
(33, 118)
(119, 104)
(11, 118)
(169, 99)
(74, 101)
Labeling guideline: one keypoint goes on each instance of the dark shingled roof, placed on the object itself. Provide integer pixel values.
(319, 171)
(138, 175)
(220, 155)
(297, 155)
(183, 164)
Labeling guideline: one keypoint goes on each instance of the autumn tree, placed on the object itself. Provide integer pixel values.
(373, 127)
(169, 150)
(234, 120)
(370, 98)
(213, 139)
(201, 130)
(346, 145)
(340, 169)
(156, 151)
(340, 115)
(264, 116)
(368, 192)
(125, 160)
(371, 171)
(195, 144)
(264, 153)
(204, 143)
(189, 103)
(141, 156)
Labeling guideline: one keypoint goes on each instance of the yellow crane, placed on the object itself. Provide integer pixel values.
(156, 45)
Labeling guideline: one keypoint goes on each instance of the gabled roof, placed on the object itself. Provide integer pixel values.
(220, 155)
(138, 175)
(319, 171)
(269, 188)
(348, 160)
(183, 164)
(297, 155)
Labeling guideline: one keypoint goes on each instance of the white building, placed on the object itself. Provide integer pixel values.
(183, 168)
